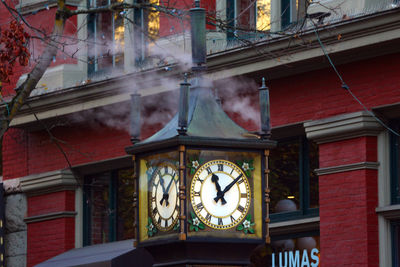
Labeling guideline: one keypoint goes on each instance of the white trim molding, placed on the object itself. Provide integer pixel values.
(294, 226)
(49, 182)
(29, 6)
(348, 167)
(342, 127)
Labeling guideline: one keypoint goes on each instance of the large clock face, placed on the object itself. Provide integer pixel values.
(220, 194)
(163, 196)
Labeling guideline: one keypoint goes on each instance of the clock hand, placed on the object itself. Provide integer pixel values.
(214, 179)
(166, 193)
(170, 183)
(229, 186)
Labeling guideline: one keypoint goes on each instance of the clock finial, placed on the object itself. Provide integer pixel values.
(198, 36)
(264, 110)
(183, 106)
(135, 118)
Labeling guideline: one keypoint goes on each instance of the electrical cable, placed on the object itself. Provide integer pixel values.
(347, 88)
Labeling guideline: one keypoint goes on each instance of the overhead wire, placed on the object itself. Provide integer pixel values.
(346, 87)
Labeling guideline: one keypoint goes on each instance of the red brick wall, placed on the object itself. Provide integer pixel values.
(348, 222)
(49, 238)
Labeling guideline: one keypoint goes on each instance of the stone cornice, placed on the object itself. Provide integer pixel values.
(342, 127)
(50, 216)
(48, 182)
(294, 226)
(348, 167)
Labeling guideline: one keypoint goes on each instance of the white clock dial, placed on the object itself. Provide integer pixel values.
(220, 194)
(163, 196)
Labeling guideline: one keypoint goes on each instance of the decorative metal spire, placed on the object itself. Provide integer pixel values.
(183, 106)
(198, 36)
(135, 118)
(264, 111)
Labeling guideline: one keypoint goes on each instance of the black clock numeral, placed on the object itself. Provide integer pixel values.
(153, 199)
(159, 220)
(197, 194)
(243, 195)
(232, 219)
(232, 171)
(209, 170)
(155, 211)
(166, 169)
(200, 206)
(220, 167)
(240, 179)
(208, 217)
(201, 181)
(220, 221)
(240, 208)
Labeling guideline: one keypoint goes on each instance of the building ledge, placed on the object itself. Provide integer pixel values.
(294, 226)
(48, 182)
(391, 212)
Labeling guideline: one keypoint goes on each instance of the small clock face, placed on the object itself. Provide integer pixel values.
(163, 196)
(220, 194)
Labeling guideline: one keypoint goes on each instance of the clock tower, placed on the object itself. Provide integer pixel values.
(202, 193)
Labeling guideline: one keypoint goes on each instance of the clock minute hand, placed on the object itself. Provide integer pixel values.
(229, 186)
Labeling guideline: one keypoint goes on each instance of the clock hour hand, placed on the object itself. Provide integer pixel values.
(165, 194)
(229, 186)
(214, 179)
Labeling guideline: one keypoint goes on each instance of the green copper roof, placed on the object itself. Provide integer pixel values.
(206, 118)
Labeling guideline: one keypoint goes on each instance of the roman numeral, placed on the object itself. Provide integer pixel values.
(232, 171)
(232, 219)
(166, 169)
(152, 199)
(159, 221)
(240, 178)
(209, 170)
(208, 217)
(220, 221)
(243, 195)
(155, 210)
(220, 167)
(201, 181)
(240, 208)
(197, 194)
(200, 206)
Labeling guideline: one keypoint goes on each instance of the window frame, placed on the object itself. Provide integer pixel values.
(304, 210)
(112, 205)
(92, 65)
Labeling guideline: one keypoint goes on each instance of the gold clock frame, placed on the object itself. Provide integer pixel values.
(248, 197)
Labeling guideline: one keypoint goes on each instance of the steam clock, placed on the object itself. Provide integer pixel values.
(202, 191)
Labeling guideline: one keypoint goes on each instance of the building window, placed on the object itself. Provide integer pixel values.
(108, 209)
(394, 164)
(106, 39)
(395, 243)
(293, 182)
(246, 17)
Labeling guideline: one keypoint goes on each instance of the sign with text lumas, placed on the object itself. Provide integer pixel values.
(296, 258)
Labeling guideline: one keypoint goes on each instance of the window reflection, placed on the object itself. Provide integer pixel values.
(108, 207)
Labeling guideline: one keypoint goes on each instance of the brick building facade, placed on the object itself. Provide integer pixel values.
(338, 164)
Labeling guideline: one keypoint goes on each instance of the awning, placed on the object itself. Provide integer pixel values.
(114, 254)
